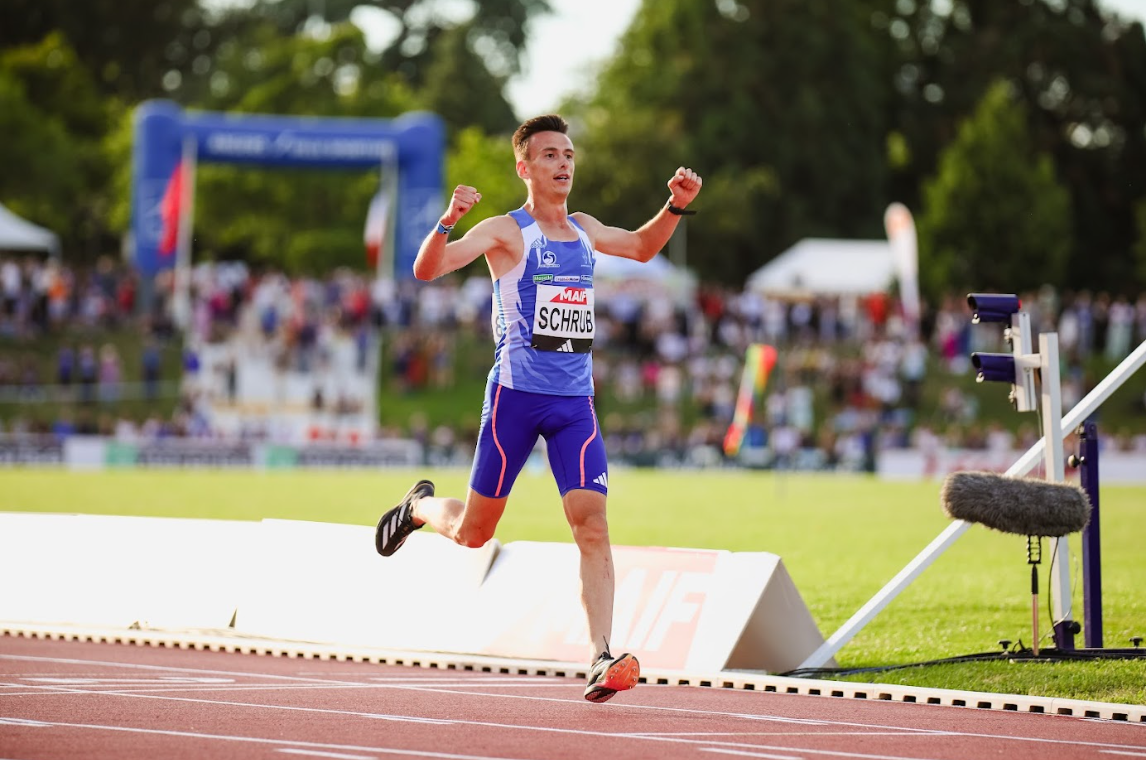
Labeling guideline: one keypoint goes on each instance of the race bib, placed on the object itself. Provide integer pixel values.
(563, 319)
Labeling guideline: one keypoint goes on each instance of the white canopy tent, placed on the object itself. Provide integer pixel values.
(18, 234)
(658, 278)
(822, 266)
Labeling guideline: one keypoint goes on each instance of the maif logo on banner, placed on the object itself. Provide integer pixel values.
(675, 608)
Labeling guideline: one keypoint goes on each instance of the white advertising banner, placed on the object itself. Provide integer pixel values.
(675, 609)
(1115, 467)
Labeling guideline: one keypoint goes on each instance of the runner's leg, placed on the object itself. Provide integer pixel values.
(471, 523)
(580, 466)
(585, 511)
(506, 437)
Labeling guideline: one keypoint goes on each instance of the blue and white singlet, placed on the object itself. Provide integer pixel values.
(543, 315)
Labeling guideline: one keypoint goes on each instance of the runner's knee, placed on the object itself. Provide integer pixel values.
(590, 528)
(473, 536)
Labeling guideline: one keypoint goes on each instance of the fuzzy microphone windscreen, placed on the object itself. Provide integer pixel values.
(1026, 506)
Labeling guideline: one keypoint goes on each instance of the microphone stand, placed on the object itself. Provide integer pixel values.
(1034, 557)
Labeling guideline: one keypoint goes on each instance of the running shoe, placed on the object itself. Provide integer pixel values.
(611, 674)
(398, 523)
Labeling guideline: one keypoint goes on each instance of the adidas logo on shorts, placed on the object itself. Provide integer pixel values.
(602, 479)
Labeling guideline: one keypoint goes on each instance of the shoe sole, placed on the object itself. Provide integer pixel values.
(622, 675)
(378, 544)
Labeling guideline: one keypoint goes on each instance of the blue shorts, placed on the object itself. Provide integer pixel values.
(510, 423)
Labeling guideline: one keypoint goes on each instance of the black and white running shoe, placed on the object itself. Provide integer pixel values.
(398, 523)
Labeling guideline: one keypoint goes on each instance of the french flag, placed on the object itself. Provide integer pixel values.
(171, 210)
(374, 236)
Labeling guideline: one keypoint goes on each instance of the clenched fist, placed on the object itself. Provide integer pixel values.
(462, 201)
(684, 186)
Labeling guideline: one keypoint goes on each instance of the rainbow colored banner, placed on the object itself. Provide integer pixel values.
(759, 360)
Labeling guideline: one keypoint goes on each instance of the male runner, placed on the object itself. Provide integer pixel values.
(541, 259)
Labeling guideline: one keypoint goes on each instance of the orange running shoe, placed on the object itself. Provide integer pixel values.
(611, 674)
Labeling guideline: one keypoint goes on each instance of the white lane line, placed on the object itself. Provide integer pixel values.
(316, 753)
(167, 668)
(902, 731)
(751, 754)
(203, 671)
(806, 751)
(484, 680)
(162, 681)
(760, 717)
(455, 681)
(1120, 752)
(746, 746)
(254, 705)
(907, 731)
(30, 690)
(579, 702)
(21, 722)
(25, 689)
(484, 724)
(745, 734)
(221, 685)
(285, 744)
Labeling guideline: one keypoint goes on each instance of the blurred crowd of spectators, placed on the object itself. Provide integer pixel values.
(667, 373)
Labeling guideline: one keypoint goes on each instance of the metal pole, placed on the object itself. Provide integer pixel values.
(181, 292)
(1087, 406)
(1062, 602)
(1091, 538)
(1034, 556)
(388, 187)
(956, 529)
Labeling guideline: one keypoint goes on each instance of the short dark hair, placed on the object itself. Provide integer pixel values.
(547, 123)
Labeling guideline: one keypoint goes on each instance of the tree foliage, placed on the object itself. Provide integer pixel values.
(305, 220)
(53, 120)
(806, 117)
(125, 46)
(1140, 245)
(459, 88)
(483, 38)
(487, 163)
(497, 28)
(822, 113)
(777, 103)
(69, 138)
(996, 218)
(1080, 73)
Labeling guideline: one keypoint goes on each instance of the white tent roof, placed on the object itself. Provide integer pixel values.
(657, 278)
(821, 266)
(18, 234)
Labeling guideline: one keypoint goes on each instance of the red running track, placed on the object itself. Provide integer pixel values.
(67, 699)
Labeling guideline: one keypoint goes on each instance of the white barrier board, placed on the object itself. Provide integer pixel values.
(323, 582)
(121, 571)
(675, 608)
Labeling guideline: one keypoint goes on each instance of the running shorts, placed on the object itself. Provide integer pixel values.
(512, 420)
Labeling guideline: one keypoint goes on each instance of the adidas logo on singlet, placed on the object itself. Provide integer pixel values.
(566, 347)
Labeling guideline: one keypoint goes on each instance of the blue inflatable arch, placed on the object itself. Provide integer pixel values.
(164, 133)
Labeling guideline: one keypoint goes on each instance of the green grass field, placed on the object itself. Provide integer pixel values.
(841, 538)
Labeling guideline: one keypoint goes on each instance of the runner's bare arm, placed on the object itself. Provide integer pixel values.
(644, 243)
(437, 257)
